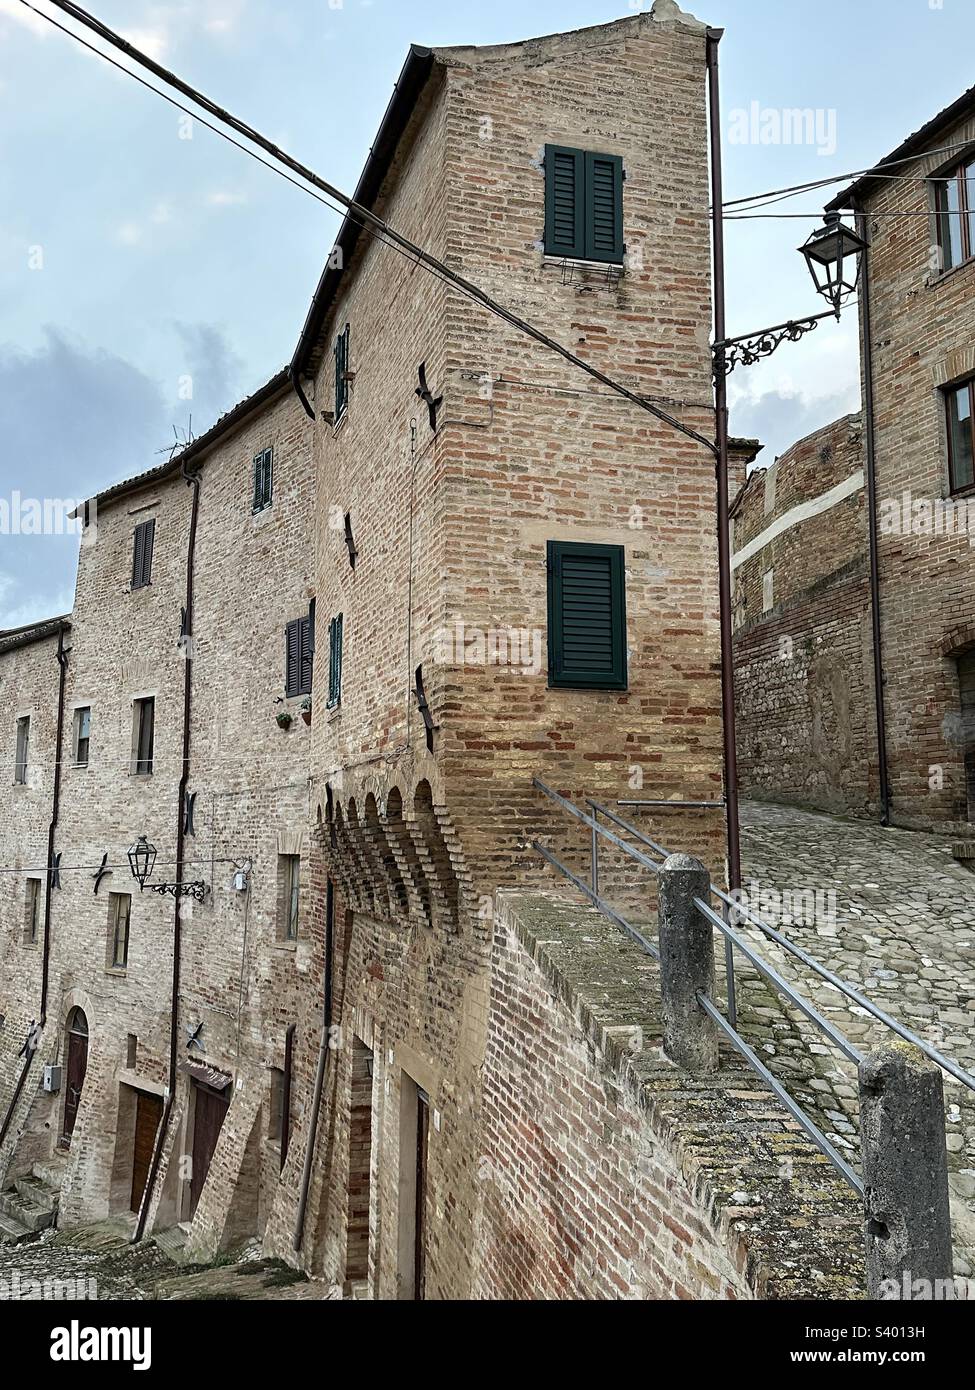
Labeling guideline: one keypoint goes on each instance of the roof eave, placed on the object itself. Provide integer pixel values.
(409, 85)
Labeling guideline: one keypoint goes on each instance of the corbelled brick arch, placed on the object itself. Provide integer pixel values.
(373, 882)
(407, 857)
(437, 855)
(382, 850)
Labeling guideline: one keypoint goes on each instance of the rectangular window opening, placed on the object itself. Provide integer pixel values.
(586, 616)
(23, 748)
(119, 911)
(145, 534)
(143, 735)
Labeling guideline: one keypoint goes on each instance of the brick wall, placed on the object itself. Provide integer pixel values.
(803, 663)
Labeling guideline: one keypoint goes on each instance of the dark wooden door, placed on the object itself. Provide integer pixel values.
(207, 1121)
(77, 1066)
(422, 1141)
(148, 1113)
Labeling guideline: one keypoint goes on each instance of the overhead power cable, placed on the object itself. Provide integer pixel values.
(356, 211)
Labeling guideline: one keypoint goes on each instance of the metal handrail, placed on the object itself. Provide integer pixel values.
(900, 1029)
(794, 1109)
(770, 973)
(644, 839)
(952, 1068)
(594, 825)
(599, 902)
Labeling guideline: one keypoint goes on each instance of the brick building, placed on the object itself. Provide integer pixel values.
(92, 955)
(475, 567)
(802, 626)
(916, 346)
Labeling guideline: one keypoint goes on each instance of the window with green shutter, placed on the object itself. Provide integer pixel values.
(583, 204)
(145, 535)
(263, 479)
(341, 373)
(335, 662)
(299, 654)
(586, 616)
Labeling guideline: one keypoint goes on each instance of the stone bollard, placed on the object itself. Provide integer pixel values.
(905, 1173)
(686, 964)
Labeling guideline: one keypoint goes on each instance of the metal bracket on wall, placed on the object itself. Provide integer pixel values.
(103, 871)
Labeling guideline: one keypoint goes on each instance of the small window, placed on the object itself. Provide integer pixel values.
(583, 205)
(32, 912)
(275, 1117)
(82, 735)
(299, 656)
(289, 876)
(119, 910)
(23, 746)
(960, 407)
(954, 200)
(342, 373)
(586, 616)
(335, 662)
(263, 480)
(143, 735)
(145, 534)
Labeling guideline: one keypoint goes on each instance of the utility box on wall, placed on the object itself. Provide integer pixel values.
(51, 1079)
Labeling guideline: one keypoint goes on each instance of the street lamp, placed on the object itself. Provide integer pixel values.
(832, 253)
(142, 857)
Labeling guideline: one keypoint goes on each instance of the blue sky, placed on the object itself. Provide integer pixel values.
(132, 259)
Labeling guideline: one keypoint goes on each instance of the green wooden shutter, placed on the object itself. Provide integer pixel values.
(604, 208)
(341, 367)
(335, 662)
(305, 656)
(586, 616)
(142, 553)
(564, 201)
(292, 658)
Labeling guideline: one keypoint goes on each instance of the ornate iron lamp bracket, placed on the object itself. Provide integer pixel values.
(730, 353)
(176, 890)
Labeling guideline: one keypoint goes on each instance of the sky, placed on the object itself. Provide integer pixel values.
(148, 281)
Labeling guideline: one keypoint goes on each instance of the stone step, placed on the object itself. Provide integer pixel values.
(39, 1193)
(51, 1171)
(27, 1213)
(12, 1232)
(171, 1242)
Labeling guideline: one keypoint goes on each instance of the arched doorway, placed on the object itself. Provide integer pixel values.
(76, 1064)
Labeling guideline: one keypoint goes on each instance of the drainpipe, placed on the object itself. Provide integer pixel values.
(721, 439)
(871, 470)
(193, 480)
(62, 659)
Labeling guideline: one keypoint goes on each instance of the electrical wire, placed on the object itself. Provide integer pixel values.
(356, 212)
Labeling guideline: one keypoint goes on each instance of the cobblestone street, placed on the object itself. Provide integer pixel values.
(901, 929)
(97, 1263)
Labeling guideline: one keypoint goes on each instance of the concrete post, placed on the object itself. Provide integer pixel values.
(686, 964)
(905, 1173)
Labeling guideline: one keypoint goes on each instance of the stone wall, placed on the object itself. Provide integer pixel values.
(803, 663)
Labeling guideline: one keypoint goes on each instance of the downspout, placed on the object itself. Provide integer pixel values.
(323, 1051)
(866, 330)
(193, 480)
(721, 469)
(62, 659)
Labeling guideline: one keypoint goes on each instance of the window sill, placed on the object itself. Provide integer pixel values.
(581, 264)
(141, 776)
(340, 422)
(282, 945)
(119, 971)
(79, 767)
(940, 276)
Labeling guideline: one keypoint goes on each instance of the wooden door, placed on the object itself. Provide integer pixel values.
(208, 1118)
(422, 1141)
(148, 1113)
(77, 1066)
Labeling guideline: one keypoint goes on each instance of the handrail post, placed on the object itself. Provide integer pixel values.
(594, 851)
(686, 964)
(907, 1221)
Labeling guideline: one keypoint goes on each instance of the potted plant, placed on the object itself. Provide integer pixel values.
(283, 718)
(306, 709)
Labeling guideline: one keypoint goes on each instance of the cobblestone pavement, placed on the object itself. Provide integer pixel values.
(901, 929)
(98, 1263)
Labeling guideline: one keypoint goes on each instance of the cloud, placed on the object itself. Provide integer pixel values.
(779, 418)
(212, 370)
(74, 419)
(153, 42)
(223, 198)
(20, 14)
